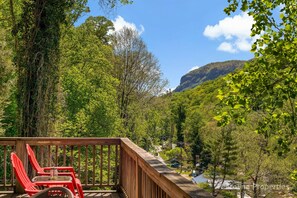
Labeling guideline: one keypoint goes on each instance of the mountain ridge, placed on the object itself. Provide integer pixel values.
(207, 72)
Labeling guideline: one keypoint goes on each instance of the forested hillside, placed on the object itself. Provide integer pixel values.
(207, 72)
(233, 152)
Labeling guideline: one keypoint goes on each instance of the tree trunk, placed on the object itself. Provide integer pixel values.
(37, 57)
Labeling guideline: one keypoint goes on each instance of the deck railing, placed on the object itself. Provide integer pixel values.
(112, 163)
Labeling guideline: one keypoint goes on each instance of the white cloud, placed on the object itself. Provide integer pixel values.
(227, 47)
(234, 30)
(243, 45)
(193, 68)
(119, 23)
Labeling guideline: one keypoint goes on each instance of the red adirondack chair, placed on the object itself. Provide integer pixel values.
(44, 170)
(67, 170)
(30, 187)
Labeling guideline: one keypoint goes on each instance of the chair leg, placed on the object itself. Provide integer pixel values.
(79, 189)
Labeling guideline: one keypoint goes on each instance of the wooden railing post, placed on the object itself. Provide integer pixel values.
(121, 167)
(20, 150)
(138, 179)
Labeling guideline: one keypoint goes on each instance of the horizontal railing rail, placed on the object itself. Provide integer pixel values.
(142, 175)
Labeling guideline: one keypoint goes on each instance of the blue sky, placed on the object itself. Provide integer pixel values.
(184, 34)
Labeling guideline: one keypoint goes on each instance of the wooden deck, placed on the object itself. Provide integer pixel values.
(101, 163)
(87, 194)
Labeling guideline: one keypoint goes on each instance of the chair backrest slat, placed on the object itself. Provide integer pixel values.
(20, 173)
(33, 160)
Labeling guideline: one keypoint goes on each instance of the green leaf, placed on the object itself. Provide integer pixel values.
(218, 118)
(281, 15)
(238, 106)
(288, 27)
(220, 96)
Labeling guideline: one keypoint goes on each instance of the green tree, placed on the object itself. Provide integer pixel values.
(180, 120)
(139, 78)
(7, 83)
(178, 109)
(88, 87)
(37, 56)
(193, 124)
(223, 154)
(9, 14)
(258, 165)
(100, 27)
(268, 83)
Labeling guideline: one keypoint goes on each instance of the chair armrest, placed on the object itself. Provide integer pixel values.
(52, 183)
(70, 174)
(61, 168)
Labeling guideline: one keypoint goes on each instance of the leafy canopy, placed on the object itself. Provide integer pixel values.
(267, 84)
